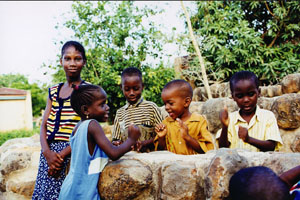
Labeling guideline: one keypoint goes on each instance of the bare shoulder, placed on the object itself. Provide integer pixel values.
(94, 127)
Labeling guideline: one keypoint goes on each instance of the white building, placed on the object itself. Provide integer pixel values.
(15, 109)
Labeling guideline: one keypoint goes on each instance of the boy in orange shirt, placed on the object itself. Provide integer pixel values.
(182, 132)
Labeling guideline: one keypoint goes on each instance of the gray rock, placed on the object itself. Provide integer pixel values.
(291, 83)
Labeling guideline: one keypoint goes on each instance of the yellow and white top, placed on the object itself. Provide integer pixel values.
(262, 126)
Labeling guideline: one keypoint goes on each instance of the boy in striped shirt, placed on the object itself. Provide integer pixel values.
(144, 114)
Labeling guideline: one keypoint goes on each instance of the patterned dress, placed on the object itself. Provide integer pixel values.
(60, 123)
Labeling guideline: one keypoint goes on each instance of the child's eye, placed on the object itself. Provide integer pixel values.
(66, 58)
(239, 96)
(251, 94)
(136, 88)
(78, 59)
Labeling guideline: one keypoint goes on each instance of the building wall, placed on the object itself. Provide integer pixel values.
(16, 112)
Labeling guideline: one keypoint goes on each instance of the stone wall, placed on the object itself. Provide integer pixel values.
(19, 160)
(145, 176)
(164, 175)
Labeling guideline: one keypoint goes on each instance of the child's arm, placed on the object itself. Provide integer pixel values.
(263, 145)
(224, 118)
(54, 160)
(190, 141)
(161, 132)
(146, 143)
(291, 176)
(112, 151)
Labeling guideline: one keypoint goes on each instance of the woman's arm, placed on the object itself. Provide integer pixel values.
(54, 160)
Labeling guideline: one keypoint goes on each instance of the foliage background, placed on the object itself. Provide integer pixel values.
(115, 38)
(260, 36)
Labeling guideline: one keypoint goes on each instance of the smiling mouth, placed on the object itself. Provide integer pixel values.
(171, 114)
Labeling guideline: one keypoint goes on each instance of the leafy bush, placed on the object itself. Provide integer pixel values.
(115, 39)
(7, 135)
(262, 37)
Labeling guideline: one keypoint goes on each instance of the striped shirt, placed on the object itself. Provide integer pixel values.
(62, 118)
(144, 114)
(262, 126)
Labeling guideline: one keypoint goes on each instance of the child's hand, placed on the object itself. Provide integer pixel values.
(117, 142)
(134, 132)
(243, 133)
(138, 146)
(224, 118)
(54, 160)
(184, 130)
(161, 130)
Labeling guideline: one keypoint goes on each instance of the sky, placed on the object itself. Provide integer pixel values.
(28, 38)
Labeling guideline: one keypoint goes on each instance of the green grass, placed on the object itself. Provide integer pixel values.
(7, 135)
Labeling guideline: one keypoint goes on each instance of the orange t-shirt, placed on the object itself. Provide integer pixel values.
(197, 127)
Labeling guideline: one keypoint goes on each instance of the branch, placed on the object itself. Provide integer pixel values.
(206, 85)
(272, 43)
(96, 73)
(271, 11)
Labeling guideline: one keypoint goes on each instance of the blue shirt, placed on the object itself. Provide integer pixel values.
(82, 180)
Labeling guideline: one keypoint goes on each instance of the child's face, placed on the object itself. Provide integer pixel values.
(72, 62)
(132, 87)
(175, 105)
(245, 94)
(99, 110)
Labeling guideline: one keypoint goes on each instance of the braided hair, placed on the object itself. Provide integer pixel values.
(83, 95)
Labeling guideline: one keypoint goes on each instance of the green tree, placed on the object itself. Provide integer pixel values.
(115, 38)
(19, 81)
(262, 37)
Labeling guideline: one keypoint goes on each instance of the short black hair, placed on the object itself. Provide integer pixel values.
(184, 88)
(76, 45)
(243, 75)
(259, 183)
(132, 71)
(83, 95)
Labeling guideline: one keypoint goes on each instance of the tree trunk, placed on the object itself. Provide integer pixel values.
(195, 44)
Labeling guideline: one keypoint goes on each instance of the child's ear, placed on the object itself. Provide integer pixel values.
(84, 110)
(60, 60)
(187, 101)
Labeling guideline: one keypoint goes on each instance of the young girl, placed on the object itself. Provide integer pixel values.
(58, 122)
(90, 145)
